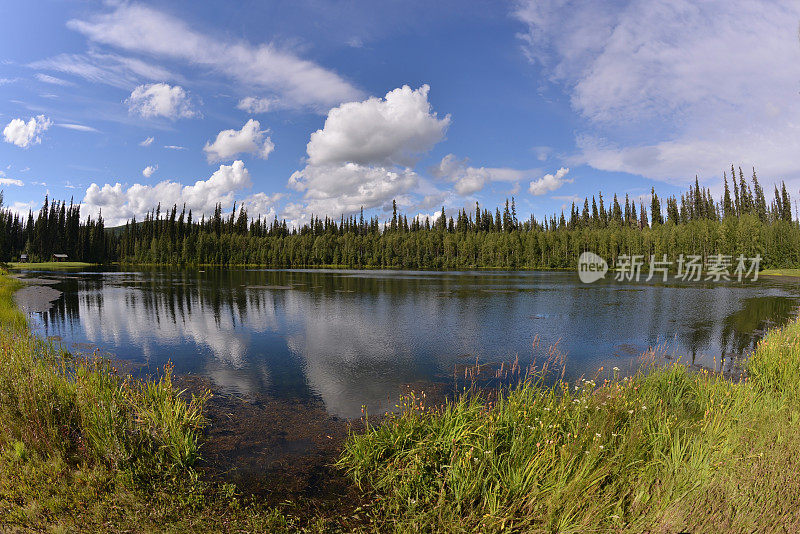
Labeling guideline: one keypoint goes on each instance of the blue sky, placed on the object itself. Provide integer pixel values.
(318, 107)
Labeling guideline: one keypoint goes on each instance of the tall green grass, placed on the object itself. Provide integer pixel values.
(83, 449)
(666, 450)
(10, 317)
(81, 410)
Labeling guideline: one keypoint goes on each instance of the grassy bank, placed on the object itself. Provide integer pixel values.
(84, 449)
(50, 265)
(665, 451)
(794, 273)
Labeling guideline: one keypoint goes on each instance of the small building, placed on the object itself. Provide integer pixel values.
(59, 257)
(23, 258)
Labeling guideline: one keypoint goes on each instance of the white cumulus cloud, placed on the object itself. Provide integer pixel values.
(346, 188)
(147, 141)
(393, 130)
(262, 204)
(251, 139)
(362, 155)
(148, 171)
(550, 182)
(468, 180)
(160, 100)
(11, 181)
(120, 203)
(24, 134)
(253, 104)
(23, 208)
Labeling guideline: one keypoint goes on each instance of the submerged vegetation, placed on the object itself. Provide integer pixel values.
(741, 222)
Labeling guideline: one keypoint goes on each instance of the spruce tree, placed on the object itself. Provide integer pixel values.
(727, 204)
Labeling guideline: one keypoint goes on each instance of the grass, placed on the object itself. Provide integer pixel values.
(50, 265)
(667, 450)
(780, 272)
(84, 449)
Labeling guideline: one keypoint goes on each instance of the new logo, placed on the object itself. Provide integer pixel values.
(591, 267)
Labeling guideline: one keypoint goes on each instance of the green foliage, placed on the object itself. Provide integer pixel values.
(57, 229)
(83, 410)
(694, 224)
(666, 450)
(83, 449)
(10, 317)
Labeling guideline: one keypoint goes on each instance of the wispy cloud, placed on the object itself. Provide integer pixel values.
(671, 88)
(46, 78)
(77, 127)
(110, 69)
(142, 29)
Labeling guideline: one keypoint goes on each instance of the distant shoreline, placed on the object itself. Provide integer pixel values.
(51, 265)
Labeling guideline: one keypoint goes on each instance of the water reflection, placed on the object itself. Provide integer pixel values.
(355, 338)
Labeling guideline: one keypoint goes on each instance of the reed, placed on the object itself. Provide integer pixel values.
(666, 449)
(82, 409)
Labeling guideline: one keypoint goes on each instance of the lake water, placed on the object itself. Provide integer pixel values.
(353, 338)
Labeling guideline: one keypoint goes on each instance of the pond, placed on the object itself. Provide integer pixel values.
(356, 338)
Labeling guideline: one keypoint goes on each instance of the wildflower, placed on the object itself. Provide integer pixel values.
(601, 447)
(597, 436)
(616, 369)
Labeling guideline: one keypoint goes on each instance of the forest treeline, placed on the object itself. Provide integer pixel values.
(56, 229)
(740, 222)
